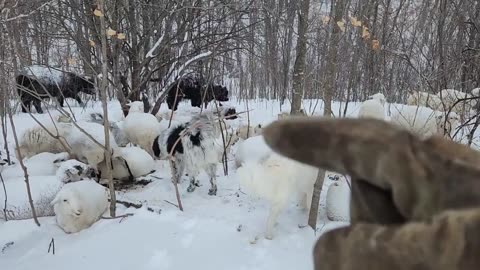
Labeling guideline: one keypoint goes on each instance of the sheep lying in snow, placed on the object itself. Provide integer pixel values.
(131, 163)
(253, 149)
(36, 140)
(419, 98)
(73, 170)
(79, 204)
(141, 128)
(116, 128)
(42, 164)
(84, 148)
(276, 179)
(423, 121)
(197, 149)
(373, 108)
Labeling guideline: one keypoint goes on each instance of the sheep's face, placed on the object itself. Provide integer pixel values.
(64, 203)
(136, 106)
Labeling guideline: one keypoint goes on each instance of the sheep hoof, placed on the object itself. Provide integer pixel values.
(212, 191)
(269, 237)
(191, 188)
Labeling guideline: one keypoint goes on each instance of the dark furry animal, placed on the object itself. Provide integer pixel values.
(195, 90)
(193, 147)
(35, 83)
(230, 113)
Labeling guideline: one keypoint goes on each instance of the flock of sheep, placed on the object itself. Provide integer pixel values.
(426, 114)
(198, 143)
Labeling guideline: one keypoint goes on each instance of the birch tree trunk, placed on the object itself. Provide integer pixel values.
(299, 67)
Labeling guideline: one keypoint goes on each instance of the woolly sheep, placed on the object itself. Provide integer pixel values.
(141, 128)
(79, 204)
(451, 96)
(116, 128)
(43, 190)
(245, 131)
(276, 179)
(422, 121)
(84, 148)
(42, 164)
(253, 149)
(372, 108)
(139, 163)
(73, 170)
(36, 140)
(379, 97)
(338, 201)
(475, 92)
(425, 99)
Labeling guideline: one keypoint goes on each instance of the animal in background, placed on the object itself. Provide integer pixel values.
(196, 90)
(37, 82)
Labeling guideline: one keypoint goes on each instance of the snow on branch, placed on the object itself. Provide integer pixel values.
(20, 16)
(155, 46)
(193, 59)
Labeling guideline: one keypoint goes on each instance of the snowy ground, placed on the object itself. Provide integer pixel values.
(214, 232)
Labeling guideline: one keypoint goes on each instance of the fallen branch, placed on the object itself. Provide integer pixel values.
(52, 246)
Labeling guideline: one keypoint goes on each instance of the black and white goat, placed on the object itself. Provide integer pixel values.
(194, 148)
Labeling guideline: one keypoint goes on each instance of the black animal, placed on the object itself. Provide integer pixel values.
(35, 83)
(195, 90)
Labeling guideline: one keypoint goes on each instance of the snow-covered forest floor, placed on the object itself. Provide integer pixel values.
(213, 232)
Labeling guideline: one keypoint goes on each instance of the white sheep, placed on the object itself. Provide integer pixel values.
(423, 121)
(475, 92)
(139, 163)
(73, 170)
(379, 97)
(79, 204)
(141, 128)
(244, 131)
(85, 148)
(372, 108)
(451, 100)
(338, 201)
(116, 128)
(419, 98)
(42, 164)
(276, 179)
(36, 140)
(253, 149)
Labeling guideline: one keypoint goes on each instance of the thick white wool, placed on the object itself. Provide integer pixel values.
(253, 149)
(79, 204)
(39, 165)
(372, 108)
(43, 190)
(141, 129)
(36, 140)
(138, 160)
(419, 98)
(276, 179)
(338, 201)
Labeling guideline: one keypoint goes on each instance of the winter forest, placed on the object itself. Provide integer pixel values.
(241, 134)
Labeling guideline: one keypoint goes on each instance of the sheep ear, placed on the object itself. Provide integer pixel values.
(55, 201)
